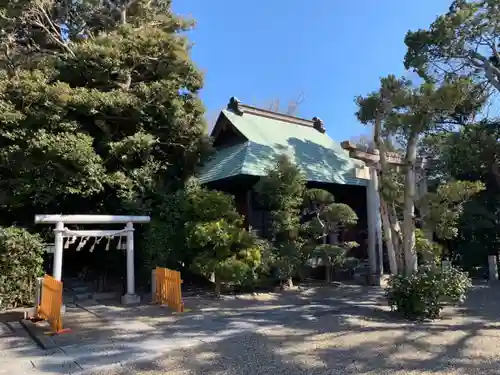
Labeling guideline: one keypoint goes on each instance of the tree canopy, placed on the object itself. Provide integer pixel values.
(463, 41)
(463, 44)
(100, 106)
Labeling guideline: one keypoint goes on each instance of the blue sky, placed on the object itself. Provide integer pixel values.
(331, 50)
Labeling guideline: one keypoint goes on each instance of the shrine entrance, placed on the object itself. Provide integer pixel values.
(64, 237)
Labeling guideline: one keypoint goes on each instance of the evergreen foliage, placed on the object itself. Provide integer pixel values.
(281, 192)
(21, 262)
(100, 107)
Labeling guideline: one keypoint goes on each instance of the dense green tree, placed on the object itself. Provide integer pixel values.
(200, 230)
(226, 251)
(463, 41)
(21, 262)
(328, 218)
(478, 233)
(100, 108)
(469, 154)
(282, 193)
(373, 110)
(165, 242)
(409, 113)
(446, 205)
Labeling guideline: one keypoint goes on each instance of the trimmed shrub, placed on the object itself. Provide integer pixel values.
(424, 293)
(21, 262)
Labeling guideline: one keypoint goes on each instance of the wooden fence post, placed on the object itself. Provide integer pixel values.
(38, 294)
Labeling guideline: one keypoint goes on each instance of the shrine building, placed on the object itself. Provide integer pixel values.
(248, 141)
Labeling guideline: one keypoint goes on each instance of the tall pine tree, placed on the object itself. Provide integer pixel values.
(282, 193)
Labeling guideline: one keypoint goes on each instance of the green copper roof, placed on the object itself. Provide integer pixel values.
(316, 154)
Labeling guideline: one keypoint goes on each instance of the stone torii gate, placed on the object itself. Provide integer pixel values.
(371, 157)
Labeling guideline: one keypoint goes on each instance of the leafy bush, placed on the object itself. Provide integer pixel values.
(350, 263)
(430, 250)
(225, 251)
(424, 293)
(21, 262)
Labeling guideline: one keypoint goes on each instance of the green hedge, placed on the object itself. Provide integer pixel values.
(21, 262)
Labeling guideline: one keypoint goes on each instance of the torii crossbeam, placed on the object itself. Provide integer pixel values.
(372, 160)
(61, 231)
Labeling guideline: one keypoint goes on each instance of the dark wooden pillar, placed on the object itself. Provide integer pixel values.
(243, 201)
(247, 204)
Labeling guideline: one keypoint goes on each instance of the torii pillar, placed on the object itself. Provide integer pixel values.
(130, 297)
(372, 159)
(374, 222)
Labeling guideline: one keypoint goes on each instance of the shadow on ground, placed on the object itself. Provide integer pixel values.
(318, 330)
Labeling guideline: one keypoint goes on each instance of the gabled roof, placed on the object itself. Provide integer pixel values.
(270, 134)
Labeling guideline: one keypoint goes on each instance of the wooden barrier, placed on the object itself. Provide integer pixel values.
(51, 303)
(168, 288)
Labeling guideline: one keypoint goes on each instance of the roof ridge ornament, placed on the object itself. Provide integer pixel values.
(318, 124)
(234, 106)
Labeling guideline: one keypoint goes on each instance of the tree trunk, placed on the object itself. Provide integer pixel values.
(217, 287)
(123, 15)
(491, 72)
(409, 207)
(386, 225)
(391, 218)
(328, 269)
(326, 260)
(423, 209)
(374, 175)
(217, 284)
(396, 236)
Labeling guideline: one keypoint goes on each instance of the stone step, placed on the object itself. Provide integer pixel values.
(81, 289)
(75, 284)
(83, 296)
(68, 297)
(106, 295)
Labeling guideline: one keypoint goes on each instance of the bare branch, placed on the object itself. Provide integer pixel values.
(292, 107)
(294, 104)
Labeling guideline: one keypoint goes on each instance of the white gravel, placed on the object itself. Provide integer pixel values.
(342, 331)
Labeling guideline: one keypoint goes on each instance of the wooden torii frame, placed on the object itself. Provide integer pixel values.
(371, 157)
(60, 232)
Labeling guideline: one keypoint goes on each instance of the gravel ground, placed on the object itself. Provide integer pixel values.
(341, 331)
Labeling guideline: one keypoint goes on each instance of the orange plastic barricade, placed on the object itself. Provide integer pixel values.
(168, 288)
(51, 303)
